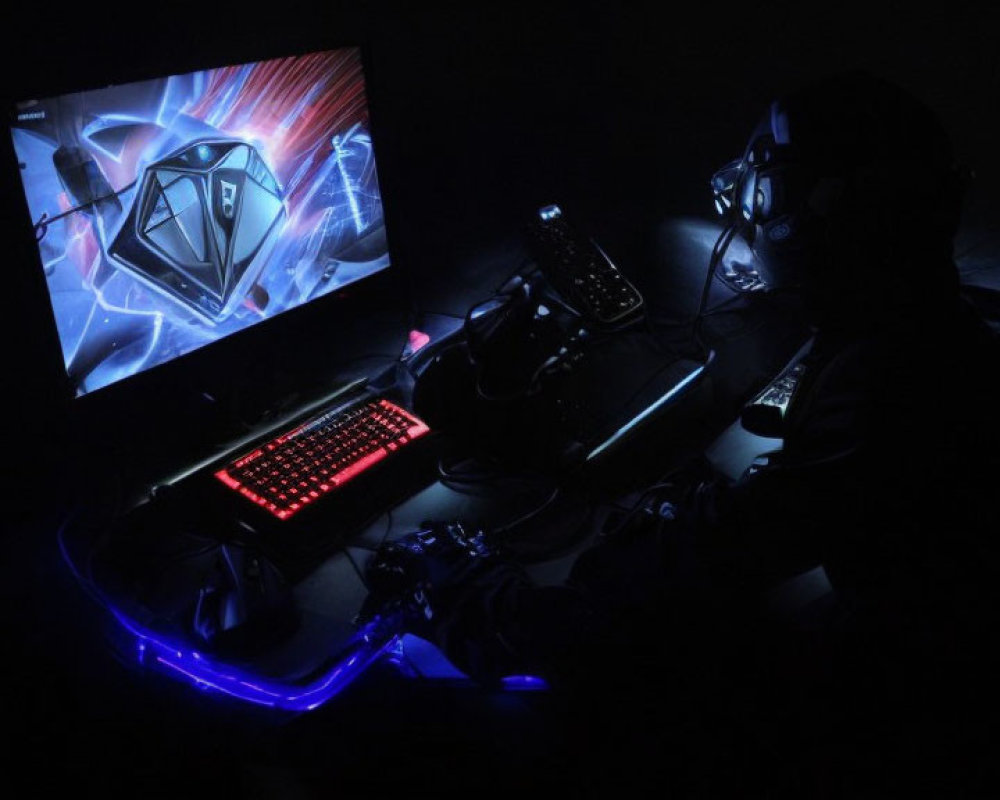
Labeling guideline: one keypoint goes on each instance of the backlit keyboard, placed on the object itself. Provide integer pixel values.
(297, 468)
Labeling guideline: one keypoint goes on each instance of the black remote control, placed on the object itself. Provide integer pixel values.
(581, 271)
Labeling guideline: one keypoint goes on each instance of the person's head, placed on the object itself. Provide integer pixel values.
(848, 190)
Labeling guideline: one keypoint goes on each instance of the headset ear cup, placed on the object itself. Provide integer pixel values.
(781, 230)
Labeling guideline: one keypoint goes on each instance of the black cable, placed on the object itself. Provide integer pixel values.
(718, 251)
(530, 515)
(454, 481)
(451, 475)
(638, 505)
(723, 307)
(389, 522)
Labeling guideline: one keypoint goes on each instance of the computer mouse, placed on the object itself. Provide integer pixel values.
(245, 605)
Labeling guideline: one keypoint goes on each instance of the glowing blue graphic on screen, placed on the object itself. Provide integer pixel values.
(171, 213)
(201, 226)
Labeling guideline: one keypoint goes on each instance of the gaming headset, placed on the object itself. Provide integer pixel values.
(750, 191)
(785, 202)
(762, 195)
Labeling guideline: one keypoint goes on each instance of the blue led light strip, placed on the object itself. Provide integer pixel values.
(180, 661)
(524, 683)
(205, 673)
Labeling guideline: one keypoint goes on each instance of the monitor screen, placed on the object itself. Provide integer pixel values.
(170, 213)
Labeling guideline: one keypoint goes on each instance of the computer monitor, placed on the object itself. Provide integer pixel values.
(174, 212)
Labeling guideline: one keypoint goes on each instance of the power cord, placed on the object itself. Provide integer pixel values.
(453, 475)
(718, 251)
(460, 481)
(529, 515)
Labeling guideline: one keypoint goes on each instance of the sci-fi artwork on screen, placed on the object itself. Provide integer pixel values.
(170, 213)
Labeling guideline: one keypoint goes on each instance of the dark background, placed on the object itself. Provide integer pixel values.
(482, 113)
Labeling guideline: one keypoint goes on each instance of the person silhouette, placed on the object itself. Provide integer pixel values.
(848, 193)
